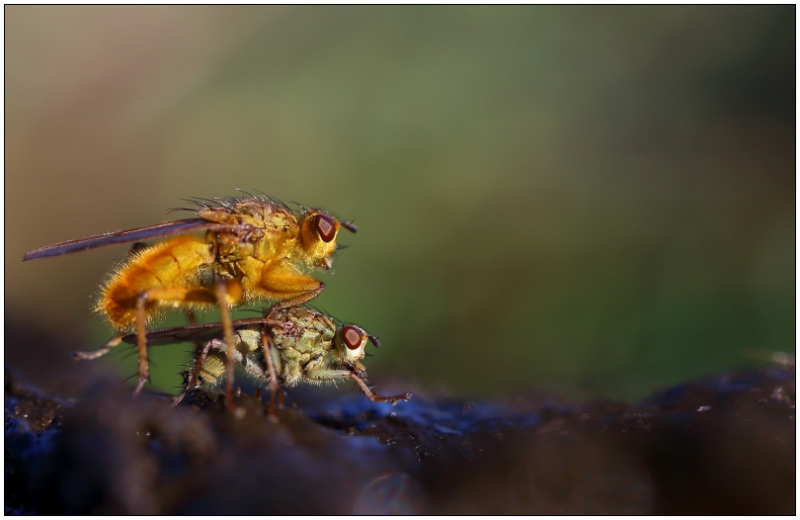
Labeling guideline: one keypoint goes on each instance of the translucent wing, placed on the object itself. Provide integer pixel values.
(173, 227)
(200, 332)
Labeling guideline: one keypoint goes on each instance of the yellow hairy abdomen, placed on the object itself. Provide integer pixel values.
(172, 263)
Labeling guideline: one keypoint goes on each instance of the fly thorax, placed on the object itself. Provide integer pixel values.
(270, 248)
(231, 249)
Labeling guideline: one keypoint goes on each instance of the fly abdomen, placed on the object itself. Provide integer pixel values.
(174, 263)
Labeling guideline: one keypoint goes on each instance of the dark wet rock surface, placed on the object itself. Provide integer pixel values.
(721, 445)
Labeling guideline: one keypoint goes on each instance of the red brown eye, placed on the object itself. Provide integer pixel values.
(353, 336)
(326, 227)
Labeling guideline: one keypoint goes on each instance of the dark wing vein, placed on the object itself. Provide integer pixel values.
(200, 332)
(173, 227)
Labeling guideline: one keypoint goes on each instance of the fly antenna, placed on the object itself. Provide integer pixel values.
(349, 226)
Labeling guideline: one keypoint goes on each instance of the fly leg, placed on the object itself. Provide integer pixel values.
(192, 319)
(202, 352)
(297, 300)
(141, 343)
(227, 292)
(227, 328)
(332, 375)
(193, 373)
(211, 366)
(288, 286)
(274, 385)
(102, 351)
(375, 398)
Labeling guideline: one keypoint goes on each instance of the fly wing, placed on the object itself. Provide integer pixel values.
(173, 227)
(198, 332)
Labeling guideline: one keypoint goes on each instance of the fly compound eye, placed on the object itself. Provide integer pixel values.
(326, 227)
(353, 337)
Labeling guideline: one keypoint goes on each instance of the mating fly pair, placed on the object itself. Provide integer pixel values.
(251, 249)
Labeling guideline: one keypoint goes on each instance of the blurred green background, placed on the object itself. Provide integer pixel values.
(596, 201)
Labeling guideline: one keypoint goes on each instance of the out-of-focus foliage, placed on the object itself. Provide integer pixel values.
(592, 199)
